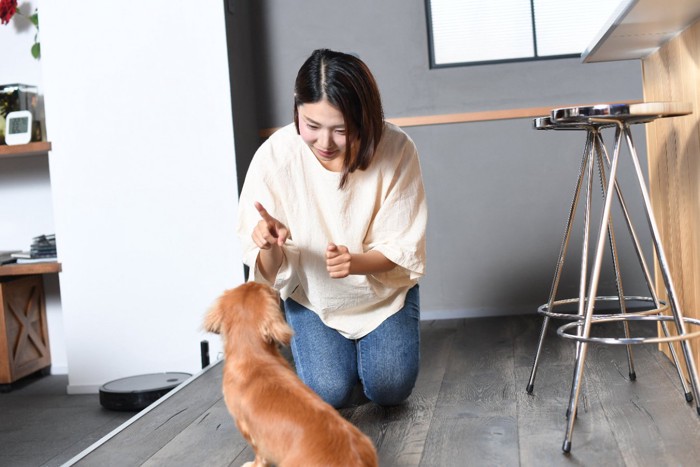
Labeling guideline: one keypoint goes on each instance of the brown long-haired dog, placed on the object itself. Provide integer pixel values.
(285, 422)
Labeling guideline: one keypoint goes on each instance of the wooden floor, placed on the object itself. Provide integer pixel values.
(469, 407)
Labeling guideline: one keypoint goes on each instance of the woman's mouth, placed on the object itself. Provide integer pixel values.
(325, 154)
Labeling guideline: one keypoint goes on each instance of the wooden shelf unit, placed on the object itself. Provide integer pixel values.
(24, 336)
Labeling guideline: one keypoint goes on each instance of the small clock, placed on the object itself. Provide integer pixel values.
(18, 127)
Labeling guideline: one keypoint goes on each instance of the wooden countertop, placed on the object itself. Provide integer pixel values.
(639, 27)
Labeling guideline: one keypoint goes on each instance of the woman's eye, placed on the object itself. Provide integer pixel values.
(311, 127)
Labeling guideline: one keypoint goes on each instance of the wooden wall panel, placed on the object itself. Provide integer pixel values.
(671, 74)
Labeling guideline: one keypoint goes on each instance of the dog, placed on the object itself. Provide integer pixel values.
(283, 420)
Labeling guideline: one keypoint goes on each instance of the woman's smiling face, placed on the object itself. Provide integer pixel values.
(322, 127)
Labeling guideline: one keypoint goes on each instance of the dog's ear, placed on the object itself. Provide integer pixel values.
(277, 331)
(213, 318)
(274, 328)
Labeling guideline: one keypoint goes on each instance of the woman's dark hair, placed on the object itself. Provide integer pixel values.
(347, 84)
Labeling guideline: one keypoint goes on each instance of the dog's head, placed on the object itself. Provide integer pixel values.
(251, 307)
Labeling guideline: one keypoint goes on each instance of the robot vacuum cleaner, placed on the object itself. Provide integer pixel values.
(135, 393)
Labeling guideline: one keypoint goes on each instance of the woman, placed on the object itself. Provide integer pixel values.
(333, 215)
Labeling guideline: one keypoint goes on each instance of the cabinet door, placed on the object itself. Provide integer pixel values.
(24, 337)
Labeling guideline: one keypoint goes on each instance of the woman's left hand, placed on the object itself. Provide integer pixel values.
(338, 260)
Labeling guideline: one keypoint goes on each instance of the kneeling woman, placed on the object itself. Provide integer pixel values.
(333, 215)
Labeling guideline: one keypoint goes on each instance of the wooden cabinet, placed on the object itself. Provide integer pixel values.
(665, 36)
(24, 335)
(673, 146)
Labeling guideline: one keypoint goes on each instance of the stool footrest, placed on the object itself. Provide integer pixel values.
(544, 309)
(563, 331)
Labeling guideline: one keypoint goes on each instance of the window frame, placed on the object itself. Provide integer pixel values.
(535, 57)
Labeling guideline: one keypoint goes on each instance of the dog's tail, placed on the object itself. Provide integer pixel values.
(358, 449)
(364, 451)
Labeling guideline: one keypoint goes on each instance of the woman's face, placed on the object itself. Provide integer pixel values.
(322, 127)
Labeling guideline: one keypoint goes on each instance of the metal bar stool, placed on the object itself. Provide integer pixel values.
(591, 156)
(622, 116)
(594, 154)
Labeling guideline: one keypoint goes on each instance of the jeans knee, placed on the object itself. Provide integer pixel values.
(337, 395)
(389, 393)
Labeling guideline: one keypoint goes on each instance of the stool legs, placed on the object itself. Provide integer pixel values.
(623, 129)
(615, 260)
(560, 260)
(665, 272)
(647, 275)
(594, 145)
(592, 154)
(593, 290)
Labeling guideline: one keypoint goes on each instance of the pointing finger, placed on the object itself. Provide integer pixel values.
(263, 212)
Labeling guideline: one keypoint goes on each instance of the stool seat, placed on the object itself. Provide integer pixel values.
(547, 123)
(642, 112)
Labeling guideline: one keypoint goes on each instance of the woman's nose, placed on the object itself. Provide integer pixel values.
(326, 139)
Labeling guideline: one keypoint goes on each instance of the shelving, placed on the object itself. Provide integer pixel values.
(27, 269)
(24, 338)
(23, 150)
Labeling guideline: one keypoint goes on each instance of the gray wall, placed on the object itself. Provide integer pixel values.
(498, 192)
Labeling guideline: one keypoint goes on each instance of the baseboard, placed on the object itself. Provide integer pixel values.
(59, 370)
(429, 315)
(426, 315)
(76, 389)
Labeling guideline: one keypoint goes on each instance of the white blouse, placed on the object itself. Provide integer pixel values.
(382, 208)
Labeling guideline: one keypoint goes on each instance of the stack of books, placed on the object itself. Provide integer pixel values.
(42, 249)
(7, 258)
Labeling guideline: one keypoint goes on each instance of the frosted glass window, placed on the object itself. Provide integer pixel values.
(567, 27)
(463, 31)
(478, 31)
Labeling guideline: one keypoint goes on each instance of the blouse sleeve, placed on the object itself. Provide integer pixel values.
(259, 186)
(398, 229)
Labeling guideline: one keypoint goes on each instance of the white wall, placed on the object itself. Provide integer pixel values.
(143, 178)
(25, 189)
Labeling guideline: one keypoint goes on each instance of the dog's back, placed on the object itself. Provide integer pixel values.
(342, 445)
(290, 424)
(285, 422)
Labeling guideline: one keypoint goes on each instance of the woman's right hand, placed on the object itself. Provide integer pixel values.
(269, 231)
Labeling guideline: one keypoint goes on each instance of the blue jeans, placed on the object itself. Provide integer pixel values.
(385, 361)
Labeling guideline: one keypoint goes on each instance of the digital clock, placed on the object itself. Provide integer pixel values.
(18, 127)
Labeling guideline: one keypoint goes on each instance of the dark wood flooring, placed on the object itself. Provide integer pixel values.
(41, 425)
(469, 407)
